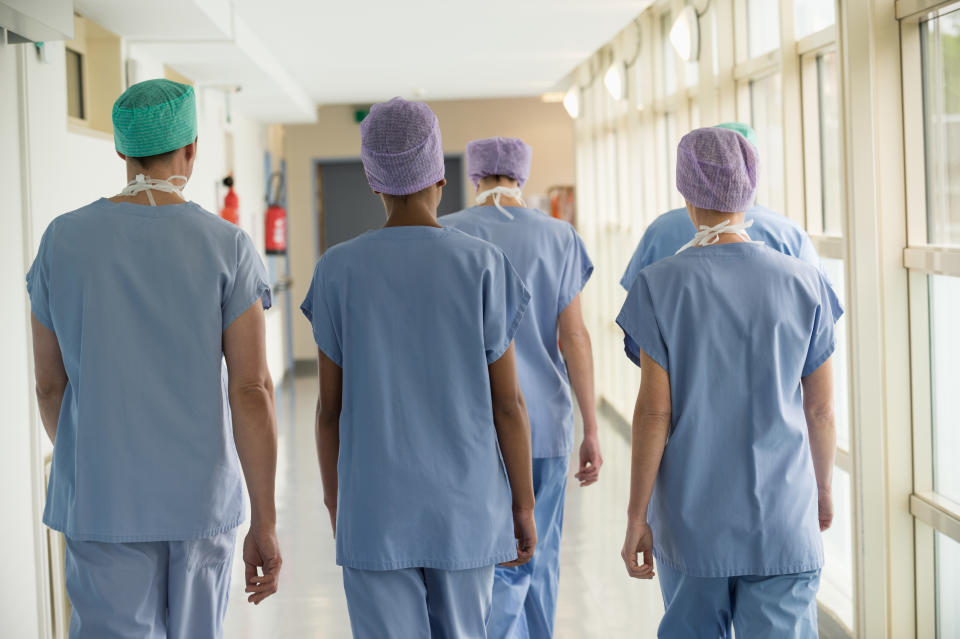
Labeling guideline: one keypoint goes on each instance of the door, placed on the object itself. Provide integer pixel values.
(347, 207)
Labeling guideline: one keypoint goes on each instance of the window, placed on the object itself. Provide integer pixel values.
(940, 50)
(948, 586)
(944, 383)
(94, 76)
(763, 27)
(831, 169)
(836, 581)
(668, 70)
(75, 94)
(766, 117)
(810, 16)
(931, 75)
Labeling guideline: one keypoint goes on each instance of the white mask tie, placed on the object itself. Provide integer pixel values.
(496, 192)
(708, 235)
(142, 183)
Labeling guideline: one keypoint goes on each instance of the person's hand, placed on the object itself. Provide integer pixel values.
(639, 540)
(332, 511)
(261, 550)
(590, 461)
(525, 530)
(825, 509)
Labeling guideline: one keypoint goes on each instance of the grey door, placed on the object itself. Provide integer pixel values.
(350, 207)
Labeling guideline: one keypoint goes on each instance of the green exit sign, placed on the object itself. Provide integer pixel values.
(360, 114)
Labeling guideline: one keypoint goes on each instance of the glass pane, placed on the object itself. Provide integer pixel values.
(944, 383)
(766, 117)
(74, 84)
(669, 71)
(763, 27)
(831, 174)
(836, 581)
(674, 198)
(811, 16)
(948, 586)
(841, 365)
(941, 102)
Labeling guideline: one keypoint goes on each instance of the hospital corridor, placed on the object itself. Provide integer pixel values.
(411, 319)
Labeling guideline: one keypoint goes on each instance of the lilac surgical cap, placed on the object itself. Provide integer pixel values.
(717, 170)
(499, 156)
(401, 148)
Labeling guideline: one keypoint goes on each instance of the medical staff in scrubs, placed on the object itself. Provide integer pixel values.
(670, 231)
(136, 301)
(553, 262)
(733, 434)
(419, 399)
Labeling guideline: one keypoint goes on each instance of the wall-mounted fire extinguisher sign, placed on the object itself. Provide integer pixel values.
(275, 235)
(231, 203)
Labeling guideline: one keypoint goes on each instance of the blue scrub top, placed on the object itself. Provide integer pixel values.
(669, 232)
(414, 315)
(736, 326)
(139, 297)
(553, 262)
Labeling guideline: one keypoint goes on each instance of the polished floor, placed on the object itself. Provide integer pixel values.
(597, 599)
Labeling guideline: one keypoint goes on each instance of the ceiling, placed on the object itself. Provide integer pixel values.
(289, 55)
(367, 51)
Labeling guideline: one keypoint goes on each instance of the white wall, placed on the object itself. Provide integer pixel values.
(68, 168)
(18, 596)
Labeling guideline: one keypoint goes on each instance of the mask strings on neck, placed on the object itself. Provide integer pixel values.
(497, 192)
(708, 235)
(141, 184)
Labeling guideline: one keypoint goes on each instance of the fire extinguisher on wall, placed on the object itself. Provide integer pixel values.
(275, 235)
(231, 203)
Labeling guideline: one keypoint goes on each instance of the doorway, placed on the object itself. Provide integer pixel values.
(346, 207)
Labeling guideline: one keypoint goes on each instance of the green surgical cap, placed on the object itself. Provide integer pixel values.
(154, 117)
(743, 129)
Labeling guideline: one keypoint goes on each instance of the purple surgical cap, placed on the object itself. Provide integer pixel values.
(499, 156)
(401, 148)
(717, 170)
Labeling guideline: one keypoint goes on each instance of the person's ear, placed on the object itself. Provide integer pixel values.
(442, 183)
(190, 151)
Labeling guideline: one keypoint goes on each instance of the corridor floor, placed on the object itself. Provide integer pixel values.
(597, 599)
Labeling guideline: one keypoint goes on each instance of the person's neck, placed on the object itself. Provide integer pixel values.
(505, 200)
(714, 220)
(161, 198)
(412, 215)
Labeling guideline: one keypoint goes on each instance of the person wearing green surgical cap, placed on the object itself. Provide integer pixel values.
(152, 383)
(673, 229)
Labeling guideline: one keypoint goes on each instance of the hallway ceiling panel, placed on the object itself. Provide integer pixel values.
(358, 52)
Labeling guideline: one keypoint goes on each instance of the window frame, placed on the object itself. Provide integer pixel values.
(931, 512)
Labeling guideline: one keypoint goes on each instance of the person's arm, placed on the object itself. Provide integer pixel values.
(49, 374)
(513, 433)
(329, 403)
(578, 353)
(651, 425)
(250, 390)
(818, 409)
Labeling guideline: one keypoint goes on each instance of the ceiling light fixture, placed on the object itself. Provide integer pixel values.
(685, 34)
(571, 102)
(615, 81)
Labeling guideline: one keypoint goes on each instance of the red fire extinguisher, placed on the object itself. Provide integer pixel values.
(275, 235)
(231, 203)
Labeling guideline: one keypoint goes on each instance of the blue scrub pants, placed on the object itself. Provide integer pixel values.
(416, 603)
(149, 590)
(525, 597)
(781, 606)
